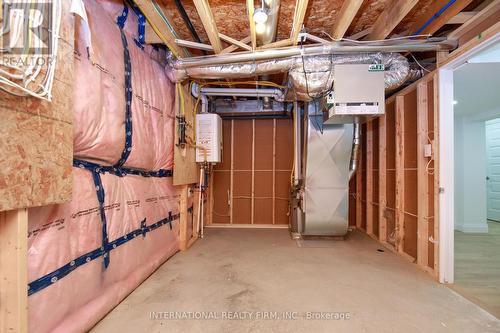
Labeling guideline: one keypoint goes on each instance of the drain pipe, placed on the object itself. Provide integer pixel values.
(353, 164)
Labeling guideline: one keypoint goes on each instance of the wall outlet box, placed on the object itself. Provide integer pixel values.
(428, 150)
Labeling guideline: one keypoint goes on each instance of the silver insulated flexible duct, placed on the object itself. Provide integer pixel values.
(309, 76)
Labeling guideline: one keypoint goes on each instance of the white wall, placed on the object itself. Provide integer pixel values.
(470, 175)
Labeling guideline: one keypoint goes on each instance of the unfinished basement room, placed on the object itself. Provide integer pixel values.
(249, 166)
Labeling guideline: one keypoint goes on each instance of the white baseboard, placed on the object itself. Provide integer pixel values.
(473, 228)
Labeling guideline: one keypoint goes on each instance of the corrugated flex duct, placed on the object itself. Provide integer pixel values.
(309, 76)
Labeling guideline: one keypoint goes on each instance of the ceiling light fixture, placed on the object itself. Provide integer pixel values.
(260, 28)
(260, 16)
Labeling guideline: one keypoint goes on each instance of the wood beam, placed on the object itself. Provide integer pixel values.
(235, 42)
(208, 21)
(253, 34)
(232, 48)
(437, 15)
(369, 177)
(400, 178)
(435, 152)
(488, 16)
(345, 17)
(298, 19)
(193, 45)
(382, 179)
(359, 188)
(160, 26)
(390, 18)
(422, 176)
(14, 271)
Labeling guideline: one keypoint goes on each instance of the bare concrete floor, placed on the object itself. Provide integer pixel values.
(264, 271)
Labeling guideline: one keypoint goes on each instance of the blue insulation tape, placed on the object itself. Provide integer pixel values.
(51, 278)
(121, 171)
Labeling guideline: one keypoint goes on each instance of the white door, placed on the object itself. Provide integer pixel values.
(493, 168)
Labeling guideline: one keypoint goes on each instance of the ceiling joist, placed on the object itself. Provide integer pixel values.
(487, 16)
(298, 19)
(344, 18)
(390, 18)
(161, 26)
(208, 21)
(251, 22)
(437, 15)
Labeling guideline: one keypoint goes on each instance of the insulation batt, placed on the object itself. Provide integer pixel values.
(58, 234)
(100, 97)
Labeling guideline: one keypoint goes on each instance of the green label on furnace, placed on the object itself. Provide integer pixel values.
(376, 68)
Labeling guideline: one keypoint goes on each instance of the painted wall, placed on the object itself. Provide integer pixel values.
(470, 175)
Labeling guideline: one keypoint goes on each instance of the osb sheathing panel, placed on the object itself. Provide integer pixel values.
(36, 137)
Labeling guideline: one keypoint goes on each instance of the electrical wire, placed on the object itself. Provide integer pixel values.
(418, 63)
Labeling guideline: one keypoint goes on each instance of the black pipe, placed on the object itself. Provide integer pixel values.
(188, 22)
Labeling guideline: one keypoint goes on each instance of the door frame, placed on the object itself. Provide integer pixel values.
(447, 159)
(488, 170)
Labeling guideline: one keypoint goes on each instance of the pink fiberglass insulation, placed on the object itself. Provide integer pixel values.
(100, 101)
(58, 234)
(69, 286)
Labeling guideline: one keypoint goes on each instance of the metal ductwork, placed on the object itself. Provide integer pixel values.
(309, 76)
(336, 48)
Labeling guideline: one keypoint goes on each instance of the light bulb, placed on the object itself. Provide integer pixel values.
(260, 28)
(260, 16)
